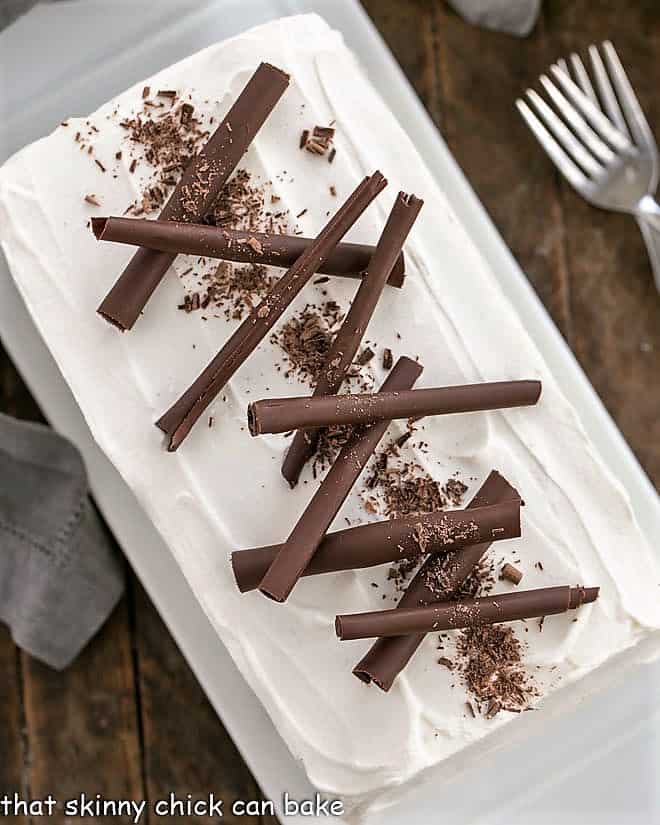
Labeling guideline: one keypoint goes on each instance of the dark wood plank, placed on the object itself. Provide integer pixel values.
(589, 267)
(470, 80)
(15, 398)
(616, 308)
(12, 758)
(409, 30)
(81, 726)
(82, 723)
(187, 751)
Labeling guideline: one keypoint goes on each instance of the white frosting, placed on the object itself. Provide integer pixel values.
(222, 490)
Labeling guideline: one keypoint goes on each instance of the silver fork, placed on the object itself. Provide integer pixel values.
(602, 143)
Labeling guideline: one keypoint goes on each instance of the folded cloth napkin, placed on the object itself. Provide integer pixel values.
(512, 16)
(59, 576)
(11, 9)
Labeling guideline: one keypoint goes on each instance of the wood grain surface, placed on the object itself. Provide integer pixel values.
(129, 719)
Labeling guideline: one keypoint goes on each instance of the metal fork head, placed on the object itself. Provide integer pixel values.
(596, 134)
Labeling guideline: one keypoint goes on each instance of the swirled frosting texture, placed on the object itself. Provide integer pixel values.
(222, 490)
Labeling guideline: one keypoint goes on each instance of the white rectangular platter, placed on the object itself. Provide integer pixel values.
(576, 770)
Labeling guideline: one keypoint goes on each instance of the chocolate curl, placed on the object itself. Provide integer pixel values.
(195, 193)
(298, 550)
(505, 607)
(177, 422)
(343, 349)
(281, 415)
(348, 260)
(387, 657)
(386, 541)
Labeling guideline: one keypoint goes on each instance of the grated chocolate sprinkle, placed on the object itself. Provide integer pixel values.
(490, 662)
(167, 142)
(306, 339)
(235, 290)
(318, 141)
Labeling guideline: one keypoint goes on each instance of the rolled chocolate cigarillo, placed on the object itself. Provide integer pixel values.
(386, 541)
(180, 418)
(298, 550)
(505, 607)
(198, 187)
(348, 260)
(339, 357)
(388, 656)
(281, 415)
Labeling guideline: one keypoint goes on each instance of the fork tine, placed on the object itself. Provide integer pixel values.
(637, 122)
(582, 78)
(591, 112)
(610, 103)
(564, 135)
(569, 170)
(583, 130)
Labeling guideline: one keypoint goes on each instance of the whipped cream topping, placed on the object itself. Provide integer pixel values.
(223, 490)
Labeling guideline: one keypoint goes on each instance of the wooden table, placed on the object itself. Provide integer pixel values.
(128, 720)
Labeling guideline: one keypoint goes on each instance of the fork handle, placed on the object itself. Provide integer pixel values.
(648, 219)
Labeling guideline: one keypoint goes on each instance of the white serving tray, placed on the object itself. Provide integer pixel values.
(599, 764)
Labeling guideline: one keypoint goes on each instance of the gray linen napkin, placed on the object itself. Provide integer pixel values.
(12, 9)
(512, 16)
(59, 577)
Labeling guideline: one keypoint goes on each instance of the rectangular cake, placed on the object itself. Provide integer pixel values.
(222, 490)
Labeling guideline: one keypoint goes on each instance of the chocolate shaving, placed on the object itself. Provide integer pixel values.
(404, 487)
(298, 550)
(319, 141)
(181, 417)
(306, 338)
(344, 347)
(388, 360)
(233, 289)
(511, 573)
(199, 186)
(365, 356)
(490, 663)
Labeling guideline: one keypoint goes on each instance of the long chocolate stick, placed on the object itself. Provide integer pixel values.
(195, 193)
(385, 541)
(346, 343)
(182, 415)
(386, 658)
(349, 260)
(280, 415)
(505, 607)
(300, 547)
